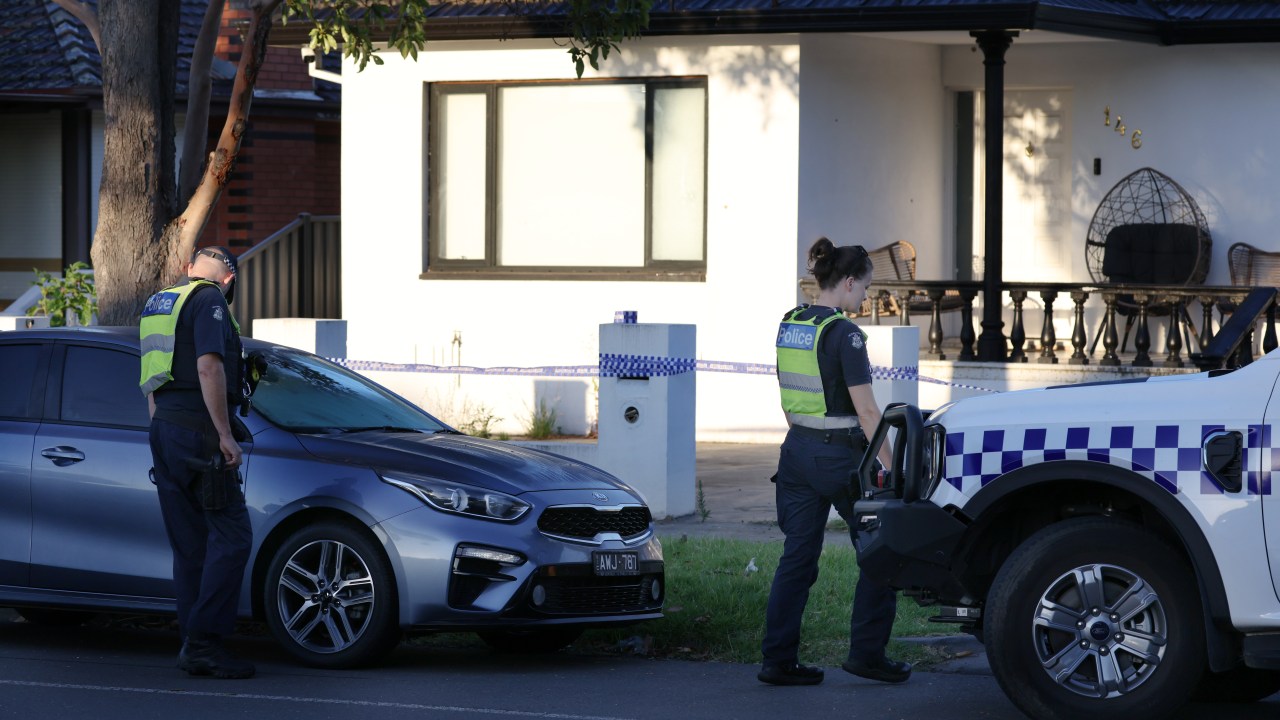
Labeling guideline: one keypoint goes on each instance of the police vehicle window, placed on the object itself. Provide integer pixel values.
(304, 393)
(18, 364)
(100, 387)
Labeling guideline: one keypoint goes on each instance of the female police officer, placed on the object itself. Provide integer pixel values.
(825, 379)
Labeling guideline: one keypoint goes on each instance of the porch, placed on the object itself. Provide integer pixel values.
(1063, 333)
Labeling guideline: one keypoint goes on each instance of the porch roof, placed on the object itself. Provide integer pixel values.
(1163, 22)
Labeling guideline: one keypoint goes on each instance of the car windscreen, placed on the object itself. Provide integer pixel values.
(304, 393)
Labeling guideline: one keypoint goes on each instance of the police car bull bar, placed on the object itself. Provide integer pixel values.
(904, 476)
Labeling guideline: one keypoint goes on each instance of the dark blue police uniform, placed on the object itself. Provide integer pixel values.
(210, 547)
(815, 473)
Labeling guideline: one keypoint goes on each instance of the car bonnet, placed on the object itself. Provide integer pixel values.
(491, 464)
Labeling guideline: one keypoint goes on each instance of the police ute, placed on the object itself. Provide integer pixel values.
(1115, 546)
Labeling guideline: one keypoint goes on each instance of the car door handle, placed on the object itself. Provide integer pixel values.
(62, 455)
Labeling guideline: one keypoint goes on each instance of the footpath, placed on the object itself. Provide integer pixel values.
(739, 500)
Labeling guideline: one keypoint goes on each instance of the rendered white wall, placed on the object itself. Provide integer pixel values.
(753, 143)
(874, 162)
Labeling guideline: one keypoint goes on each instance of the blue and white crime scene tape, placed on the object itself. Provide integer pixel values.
(631, 366)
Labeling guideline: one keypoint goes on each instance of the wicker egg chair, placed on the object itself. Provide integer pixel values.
(1147, 229)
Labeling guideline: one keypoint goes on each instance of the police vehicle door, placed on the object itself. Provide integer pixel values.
(22, 365)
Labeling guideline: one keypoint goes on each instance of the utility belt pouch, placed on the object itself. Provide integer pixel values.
(216, 486)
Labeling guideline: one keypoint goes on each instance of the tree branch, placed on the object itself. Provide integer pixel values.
(85, 14)
(217, 172)
(195, 136)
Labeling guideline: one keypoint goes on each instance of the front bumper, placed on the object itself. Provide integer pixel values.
(553, 582)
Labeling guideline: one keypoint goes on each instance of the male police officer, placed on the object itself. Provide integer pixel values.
(191, 367)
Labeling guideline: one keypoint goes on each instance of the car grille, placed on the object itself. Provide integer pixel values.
(586, 522)
(599, 596)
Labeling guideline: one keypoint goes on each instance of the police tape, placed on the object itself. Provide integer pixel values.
(632, 366)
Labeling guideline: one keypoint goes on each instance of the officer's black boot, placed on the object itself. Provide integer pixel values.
(208, 657)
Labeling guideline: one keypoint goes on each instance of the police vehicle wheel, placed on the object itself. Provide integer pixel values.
(330, 597)
(1097, 618)
(543, 640)
(1241, 685)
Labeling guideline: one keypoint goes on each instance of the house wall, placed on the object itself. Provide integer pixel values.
(1206, 114)
(874, 156)
(752, 218)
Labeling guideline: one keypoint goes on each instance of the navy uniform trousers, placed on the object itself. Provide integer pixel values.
(210, 547)
(813, 476)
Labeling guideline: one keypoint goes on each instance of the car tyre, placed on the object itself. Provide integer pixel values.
(330, 597)
(1097, 618)
(1241, 685)
(530, 642)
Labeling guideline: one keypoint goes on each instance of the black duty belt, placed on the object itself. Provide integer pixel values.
(851, 436)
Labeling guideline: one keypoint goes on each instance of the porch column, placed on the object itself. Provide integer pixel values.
(994, 43)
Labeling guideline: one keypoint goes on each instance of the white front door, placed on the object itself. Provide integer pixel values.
(1037, 187)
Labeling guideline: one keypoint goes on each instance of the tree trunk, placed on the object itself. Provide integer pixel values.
(136, 200)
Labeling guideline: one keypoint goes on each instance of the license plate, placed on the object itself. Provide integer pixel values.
(615, 563)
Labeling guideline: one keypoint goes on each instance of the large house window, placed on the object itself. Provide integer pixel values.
(591, 179)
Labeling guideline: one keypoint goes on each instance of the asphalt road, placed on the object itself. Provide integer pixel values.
(114, 672)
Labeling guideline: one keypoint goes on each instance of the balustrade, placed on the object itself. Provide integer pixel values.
(1138, 305)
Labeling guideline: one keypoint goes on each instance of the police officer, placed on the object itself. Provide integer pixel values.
(191, 366)
(825, 381)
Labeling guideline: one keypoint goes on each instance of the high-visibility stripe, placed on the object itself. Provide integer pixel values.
(823, 423)
(157, 342)
(799, 382)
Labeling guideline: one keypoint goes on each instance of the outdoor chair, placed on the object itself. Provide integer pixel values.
(1148, 229)
(893, 262)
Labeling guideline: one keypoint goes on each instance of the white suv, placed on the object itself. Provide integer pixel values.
(1116, 546)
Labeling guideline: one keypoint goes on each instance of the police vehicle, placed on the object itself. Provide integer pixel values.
(1116, 546)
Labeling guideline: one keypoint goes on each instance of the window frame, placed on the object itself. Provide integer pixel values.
(437, 267)
(57, 385)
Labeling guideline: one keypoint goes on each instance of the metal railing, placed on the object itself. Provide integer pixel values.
(1139, 305)
(296, 272)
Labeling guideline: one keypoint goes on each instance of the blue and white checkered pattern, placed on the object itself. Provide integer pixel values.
(1169, 455)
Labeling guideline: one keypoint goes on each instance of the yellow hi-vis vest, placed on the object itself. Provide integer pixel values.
(158, 331)
(799, 378)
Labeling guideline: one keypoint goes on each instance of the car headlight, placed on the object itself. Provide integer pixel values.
(933, 460)
(461, 499)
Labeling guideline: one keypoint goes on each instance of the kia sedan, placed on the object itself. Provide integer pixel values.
(371, 518)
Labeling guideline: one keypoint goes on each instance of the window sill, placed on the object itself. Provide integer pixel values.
(556, 274)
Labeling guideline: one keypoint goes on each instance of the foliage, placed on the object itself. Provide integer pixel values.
(542, 421)
(72, 293)
(715, 607)
(597, 26)
(352, 25)
(479, 421)
(703, 511)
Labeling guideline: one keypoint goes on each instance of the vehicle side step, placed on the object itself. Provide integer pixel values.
(957, 614)
(1262, 651)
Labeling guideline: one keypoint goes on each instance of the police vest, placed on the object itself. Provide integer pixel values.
(159, 330)
(799, 378)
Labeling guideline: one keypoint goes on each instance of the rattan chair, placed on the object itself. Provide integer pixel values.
(1147, 229)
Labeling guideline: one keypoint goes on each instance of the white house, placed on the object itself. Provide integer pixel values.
(497, 210)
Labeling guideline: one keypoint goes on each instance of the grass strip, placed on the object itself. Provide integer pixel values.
(715, 607)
